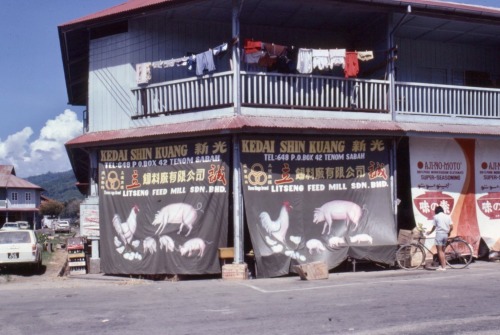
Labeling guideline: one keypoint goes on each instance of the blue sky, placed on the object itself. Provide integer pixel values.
(36, 119)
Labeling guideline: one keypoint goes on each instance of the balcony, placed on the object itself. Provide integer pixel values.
(312, 92)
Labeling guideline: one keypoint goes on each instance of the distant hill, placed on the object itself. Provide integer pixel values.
(58, 186)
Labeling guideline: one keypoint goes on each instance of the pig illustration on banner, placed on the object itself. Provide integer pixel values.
(344, 210)
(149, 245)
(182, 214)
(315, 246)
(192, 246)
(167, 242)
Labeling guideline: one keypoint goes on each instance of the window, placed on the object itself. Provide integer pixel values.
(478, 79)
(13, 196)
(28, 196)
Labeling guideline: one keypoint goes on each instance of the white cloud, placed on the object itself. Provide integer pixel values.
(46, 153)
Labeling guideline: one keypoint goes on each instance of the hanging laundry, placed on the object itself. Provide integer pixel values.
(143, 73)
(254, 57)
(182, 61)
(219, 49)
(337, 57)
(321, 59)
(351, 68)
(273, 53)
(205, 61)
(365, 55)
(305, 61)
(267, 61)
(288, 64)
(251, 46)
(275, 50)
(191, 62)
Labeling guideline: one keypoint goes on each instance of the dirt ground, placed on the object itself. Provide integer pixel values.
(50, 270)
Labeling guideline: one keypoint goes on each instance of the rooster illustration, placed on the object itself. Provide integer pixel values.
(279, 227)
(126, 230)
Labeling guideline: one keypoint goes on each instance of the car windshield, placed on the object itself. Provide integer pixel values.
(14, 237)
(7, 225)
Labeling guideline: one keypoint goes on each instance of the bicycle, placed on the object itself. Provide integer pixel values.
(411, 256)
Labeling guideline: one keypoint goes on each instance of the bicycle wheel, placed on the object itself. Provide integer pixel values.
(410, 256)
(458, 253)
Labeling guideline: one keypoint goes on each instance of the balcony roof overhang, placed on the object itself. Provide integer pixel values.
(79, 147)
(429, 19)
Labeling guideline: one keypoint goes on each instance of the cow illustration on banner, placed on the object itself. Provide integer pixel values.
(317, 199)
(164, 208)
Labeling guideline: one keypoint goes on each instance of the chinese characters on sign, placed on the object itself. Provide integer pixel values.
(164, 207)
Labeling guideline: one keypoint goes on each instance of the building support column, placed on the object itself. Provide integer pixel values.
(238, 210)
(393, 48)
(236, 65)
(238, 221)
(93, 200)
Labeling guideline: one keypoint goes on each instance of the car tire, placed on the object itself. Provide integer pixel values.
(36, 267)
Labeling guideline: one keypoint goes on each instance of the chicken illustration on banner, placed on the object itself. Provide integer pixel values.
(124, 242)
(279, 227)
(126, 230)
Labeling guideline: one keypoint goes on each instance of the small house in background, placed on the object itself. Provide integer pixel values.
(19, 199)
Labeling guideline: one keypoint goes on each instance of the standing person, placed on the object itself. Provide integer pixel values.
(443, 226)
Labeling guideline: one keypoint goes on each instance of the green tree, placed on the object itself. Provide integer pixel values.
(71, 209)
(51, 207)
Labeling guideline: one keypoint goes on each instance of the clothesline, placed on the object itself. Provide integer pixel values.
(271, 55)
(204, 62)
(268, 55)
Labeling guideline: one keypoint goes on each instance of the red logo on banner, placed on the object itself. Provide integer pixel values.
(426, 203)
(489, 204)
(216, 173)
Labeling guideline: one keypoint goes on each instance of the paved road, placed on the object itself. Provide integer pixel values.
(382, 302)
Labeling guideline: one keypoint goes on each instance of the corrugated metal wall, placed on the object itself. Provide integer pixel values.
(444, 63)
(110, 79)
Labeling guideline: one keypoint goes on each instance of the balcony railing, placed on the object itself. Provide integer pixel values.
(16, 204)
(446, 100)
(292, 91)
(313, 92)
(207, 92)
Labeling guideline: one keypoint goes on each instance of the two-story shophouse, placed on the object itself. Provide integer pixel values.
(19, 199)
(294, 131)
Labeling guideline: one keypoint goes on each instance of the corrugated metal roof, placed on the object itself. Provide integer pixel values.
(234, 123)
(124, 8)
(7, 169)
(259, 124)
(133, 6)
(11, 181)
(449, 129)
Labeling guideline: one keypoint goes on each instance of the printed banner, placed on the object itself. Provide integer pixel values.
(488, 191)
(441, 175)
(164, 207)
(317, 199)
(89, 220)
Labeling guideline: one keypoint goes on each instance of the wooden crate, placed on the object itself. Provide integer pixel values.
(226, 253)
(312, 271)
(235, 272)
(407, 236)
